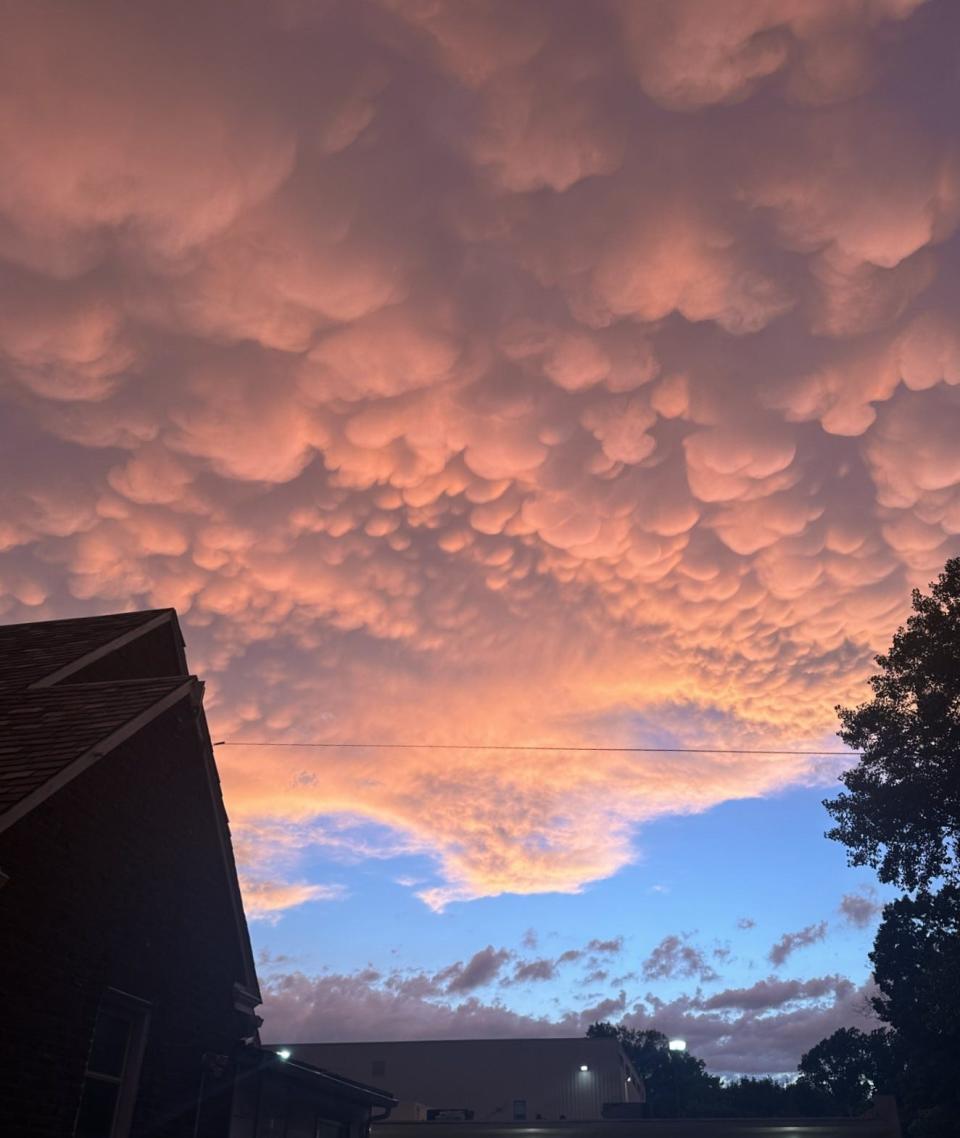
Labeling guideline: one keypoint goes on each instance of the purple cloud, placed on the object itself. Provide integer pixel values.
(860, 909)
(773, 993)
(480, 969)
(542, 969)
(790, 942)
(606, 946)
(673, 958)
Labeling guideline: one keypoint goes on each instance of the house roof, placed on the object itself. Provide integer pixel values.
(52, 728)
(38, 650)
(46, 733)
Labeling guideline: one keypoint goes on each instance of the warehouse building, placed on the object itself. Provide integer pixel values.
(490, 1080)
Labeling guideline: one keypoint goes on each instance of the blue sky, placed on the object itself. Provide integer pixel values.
(700, 877)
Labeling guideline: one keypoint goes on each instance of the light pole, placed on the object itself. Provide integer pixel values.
(678, 1046)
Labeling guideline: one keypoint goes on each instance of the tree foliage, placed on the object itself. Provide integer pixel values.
(901, 815)
(851, 1066)
(901, 810)
(678, 1085)
(916, 962)
(770, 1098)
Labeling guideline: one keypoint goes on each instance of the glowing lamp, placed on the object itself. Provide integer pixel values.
(584, 1067)
(284, 1054)
(677, 1045)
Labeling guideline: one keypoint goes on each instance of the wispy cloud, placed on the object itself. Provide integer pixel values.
(269, 900)
(674, 958)
(788, 944)
(860, 909)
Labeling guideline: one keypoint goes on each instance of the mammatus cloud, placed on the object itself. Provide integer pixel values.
(484, 373)
(790, 942)
(674, 958)
(860, 909)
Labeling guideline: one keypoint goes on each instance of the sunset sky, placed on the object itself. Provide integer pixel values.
(577, 373)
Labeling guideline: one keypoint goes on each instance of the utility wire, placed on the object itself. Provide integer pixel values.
(535, 747)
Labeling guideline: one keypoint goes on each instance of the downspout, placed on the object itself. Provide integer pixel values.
(372, 1118)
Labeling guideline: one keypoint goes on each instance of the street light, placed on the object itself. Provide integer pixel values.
(677, 1045)
(284, 1054)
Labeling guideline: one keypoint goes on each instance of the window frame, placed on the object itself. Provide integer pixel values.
(137, 1012)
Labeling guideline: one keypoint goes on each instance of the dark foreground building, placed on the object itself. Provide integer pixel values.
(127, 984)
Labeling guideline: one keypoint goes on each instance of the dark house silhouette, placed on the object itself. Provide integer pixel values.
(127, 983)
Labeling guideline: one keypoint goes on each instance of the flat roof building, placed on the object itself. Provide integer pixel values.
(489, 1080)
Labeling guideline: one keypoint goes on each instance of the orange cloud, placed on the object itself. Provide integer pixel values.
(471, 373)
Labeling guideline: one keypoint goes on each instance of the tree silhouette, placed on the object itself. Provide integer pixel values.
(851, 1066)
(916, 962)
(676, 1082)
(901, 815)
(901, 812)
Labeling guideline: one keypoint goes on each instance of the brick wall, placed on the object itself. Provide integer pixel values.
(118, 881)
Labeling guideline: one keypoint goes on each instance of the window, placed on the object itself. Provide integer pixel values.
(113, 1067)
(519, 1110)
(379, 1067)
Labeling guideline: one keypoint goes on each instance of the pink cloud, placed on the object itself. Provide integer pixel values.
(470, 374)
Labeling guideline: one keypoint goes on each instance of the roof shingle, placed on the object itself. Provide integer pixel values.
(46, 729)
(29, 652)
(43, 731)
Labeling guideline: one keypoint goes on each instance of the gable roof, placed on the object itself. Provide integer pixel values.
(42, 652)
(53, 729)
(50, 735)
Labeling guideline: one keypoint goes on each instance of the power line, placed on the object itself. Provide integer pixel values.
(535, 747)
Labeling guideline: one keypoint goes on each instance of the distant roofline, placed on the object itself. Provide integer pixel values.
(578, 1039)
(727, 1125)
